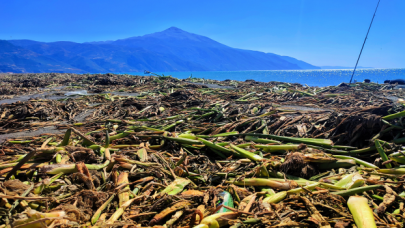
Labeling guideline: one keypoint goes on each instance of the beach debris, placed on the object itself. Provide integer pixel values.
(158, 151)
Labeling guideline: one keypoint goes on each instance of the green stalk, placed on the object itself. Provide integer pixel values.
(252, 221)
(223, 144)
(398, 157)
(382, 153)
(316, 177)
(188, 136)
(107, 139)
(172, 117)
(264, 183)
(362, 214)
(214, 146)
(53, 179)
(38, 190)
(4, 166)
(203, 136)
(268, 191)
(114, 121)
(66, 138)
(20, 142)
(344, 163)
(317, 142)
(274, 148)
(244, 145)
(334, 151)
(246, 154)
(217, 220)
(344, 147)
(226, 134)
(300, 189)
(58, 158)
(173, 125)
(358, 161)
(71, 168)
(275, 198)
(183, 140)
(392, 171)
(378, 197)
(207, 114)
(364, 150)
(391, 125)
(357, 190)
(300, 181)
(120, 135)
(94, 147)
(247, 96)
(394, 116)
(117, 214)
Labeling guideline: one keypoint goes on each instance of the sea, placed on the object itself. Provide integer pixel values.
(324, 77)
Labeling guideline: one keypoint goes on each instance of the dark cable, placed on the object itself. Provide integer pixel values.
(364, 41)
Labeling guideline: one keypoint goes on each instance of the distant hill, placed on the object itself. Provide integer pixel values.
(303, 65)
(20, 60)
(170, 50)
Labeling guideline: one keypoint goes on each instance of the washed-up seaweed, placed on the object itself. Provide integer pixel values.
(163, 152)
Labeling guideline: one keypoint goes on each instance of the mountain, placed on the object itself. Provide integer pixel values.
(303, 65)
(20, 60)
(170, 50)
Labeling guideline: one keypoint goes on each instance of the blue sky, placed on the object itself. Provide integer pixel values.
(321, 32)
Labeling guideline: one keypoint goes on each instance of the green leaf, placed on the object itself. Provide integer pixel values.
(176, 186)
(382, 153)
(227, 201)
(142, 154)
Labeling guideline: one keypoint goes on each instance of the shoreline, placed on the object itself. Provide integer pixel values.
(320, 78)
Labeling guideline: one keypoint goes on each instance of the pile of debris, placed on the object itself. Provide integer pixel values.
(174, 155)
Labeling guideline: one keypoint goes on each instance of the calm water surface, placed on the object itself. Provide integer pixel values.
(309, 77)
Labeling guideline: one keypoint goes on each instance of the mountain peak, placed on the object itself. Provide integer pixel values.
(173, 29)
(174, 32)
(170, 37)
